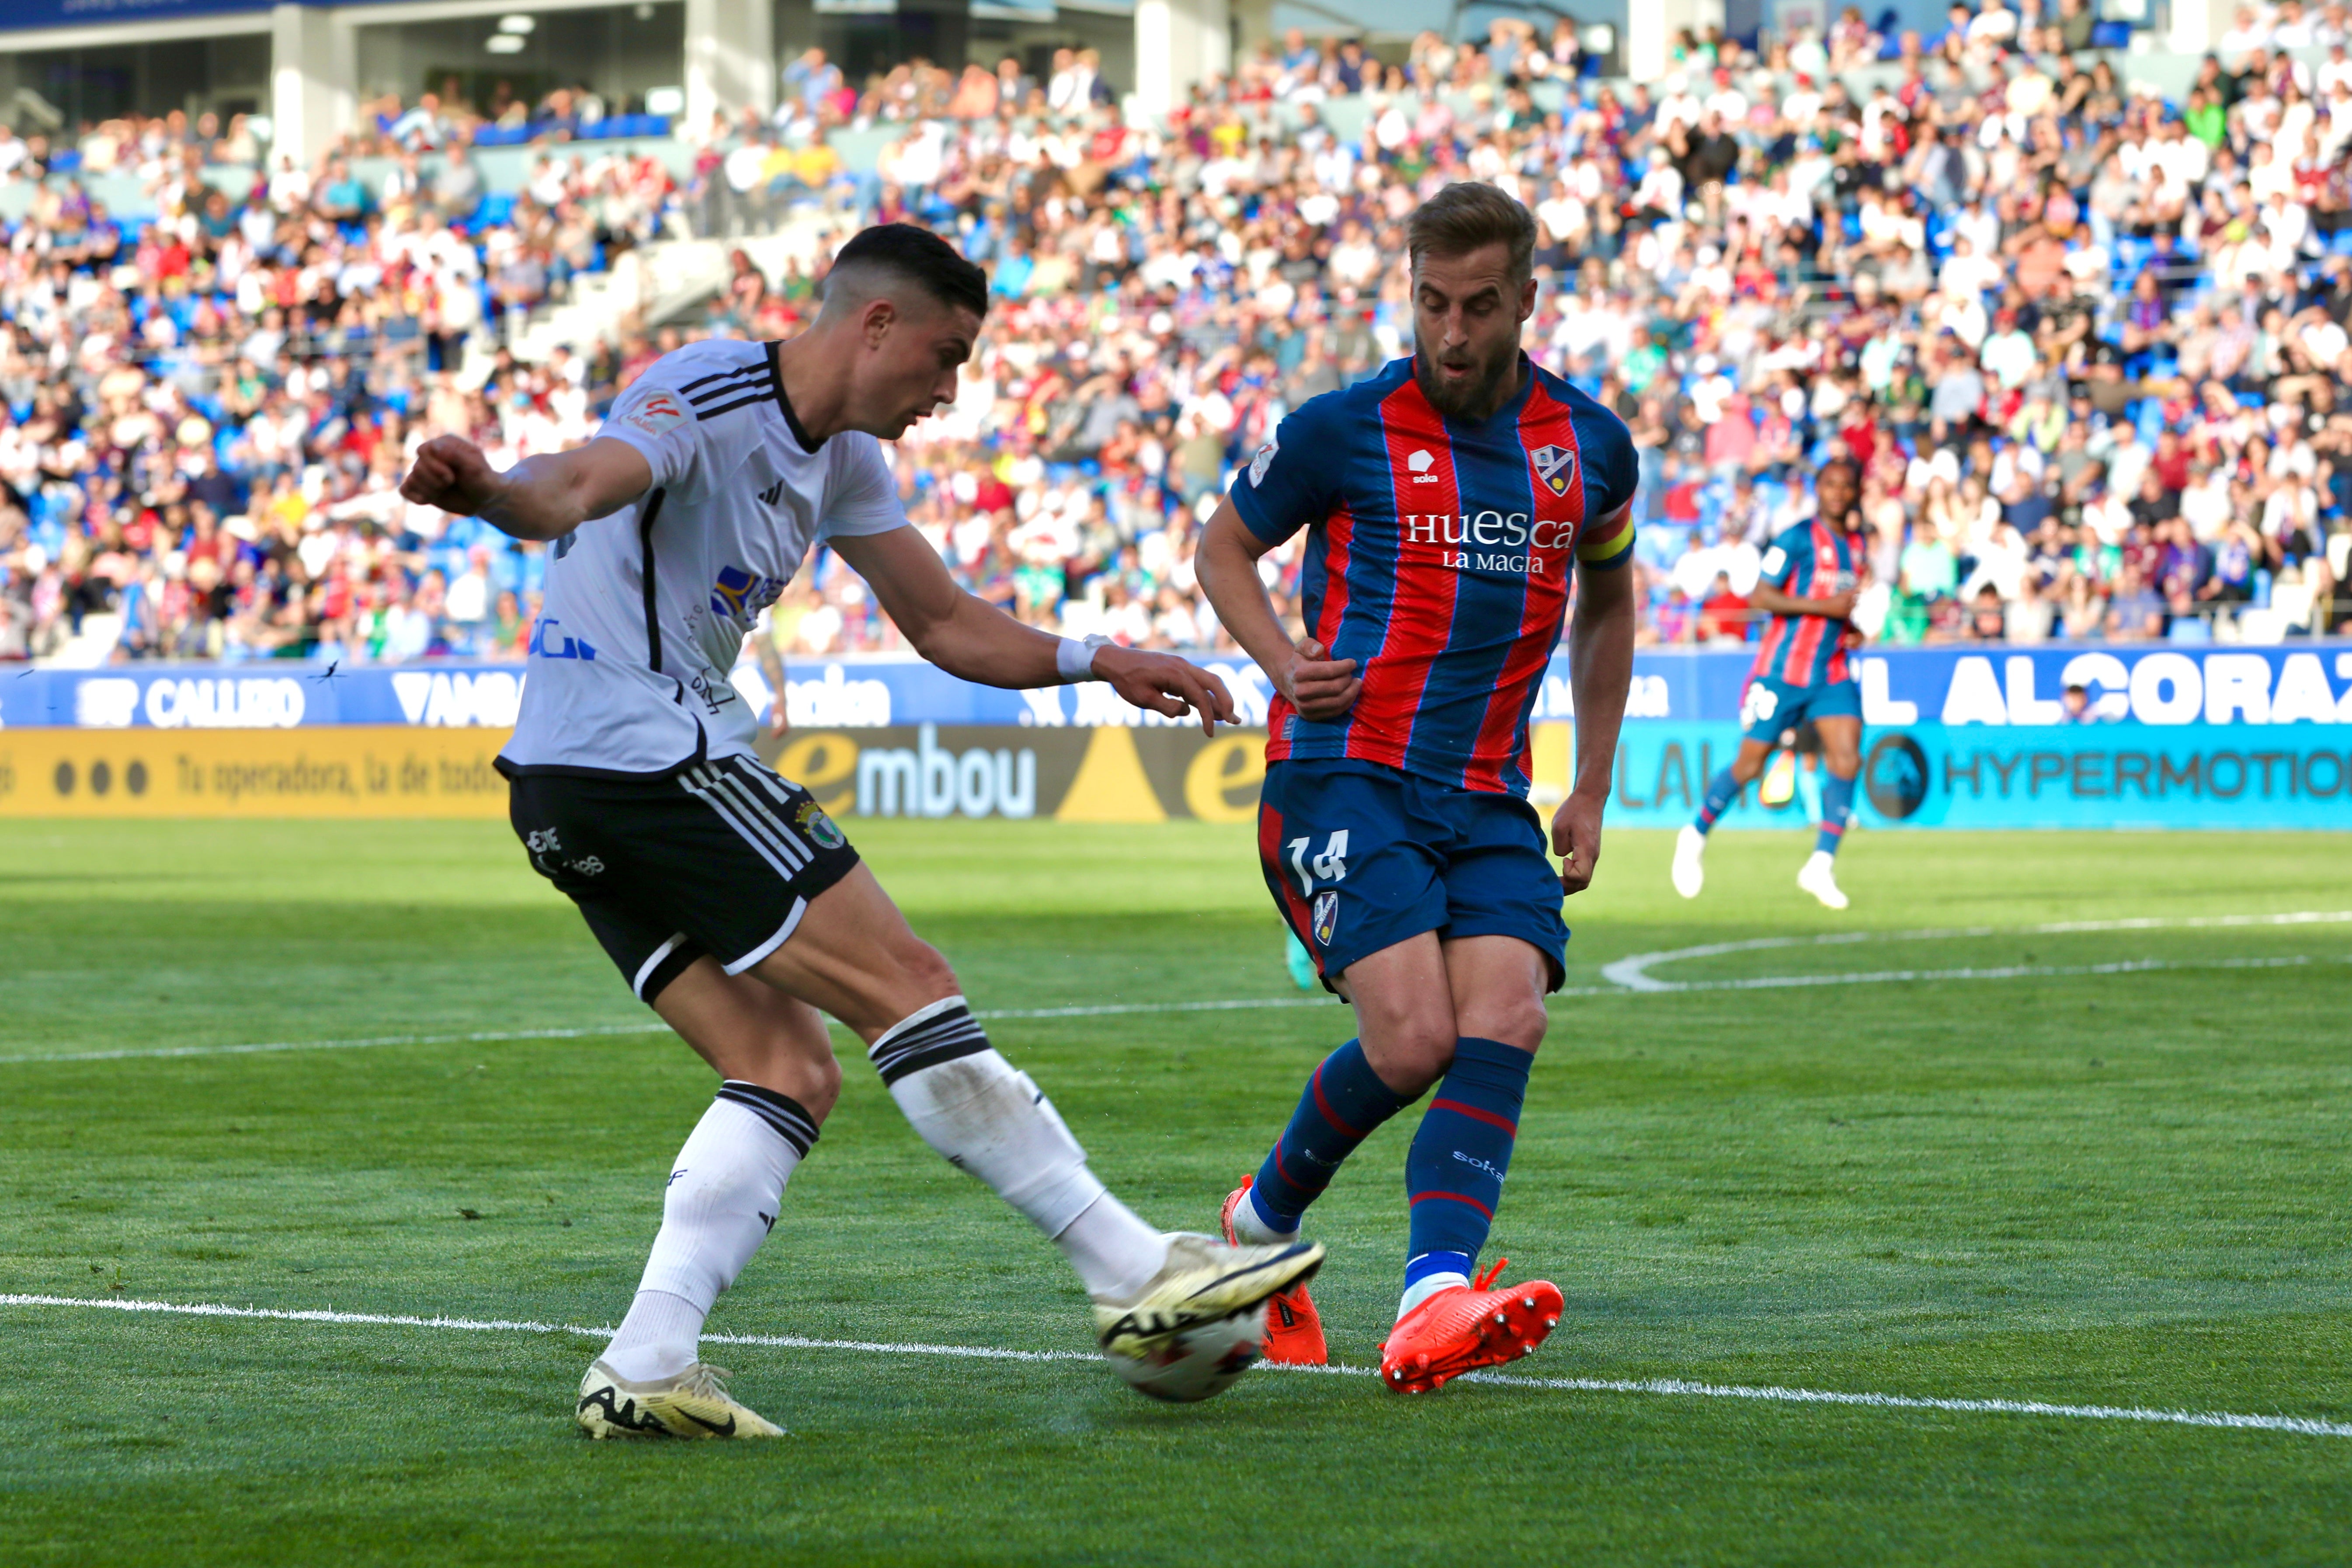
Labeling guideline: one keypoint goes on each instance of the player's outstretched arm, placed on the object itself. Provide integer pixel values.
(544, 497)
(1773, 602)
(1601, 668)
(968, 637)
(1321, 689)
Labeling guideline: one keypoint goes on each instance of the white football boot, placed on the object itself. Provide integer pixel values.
(1690, 873)
(694, 1403)
(1819, 879)
(1204, 1280)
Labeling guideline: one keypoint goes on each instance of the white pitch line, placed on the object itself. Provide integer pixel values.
(1631, 973)
(597, 1031)
(2299, 1425)
(468, 1038)
(1628, 976)
(2304, 1425)
(2004, 972)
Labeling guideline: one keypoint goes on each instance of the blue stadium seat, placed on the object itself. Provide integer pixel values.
(2111, 34)
(2342, 242)
(2190, 629)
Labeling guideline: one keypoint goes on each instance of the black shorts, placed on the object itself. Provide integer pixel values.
(721, 859)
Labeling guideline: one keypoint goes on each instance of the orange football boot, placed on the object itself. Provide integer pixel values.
(1463, 1328)
(1293, 1329)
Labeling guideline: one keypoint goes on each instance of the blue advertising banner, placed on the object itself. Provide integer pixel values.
(25, 13)
(2111, 775)
(1960, 686)
(17, 16)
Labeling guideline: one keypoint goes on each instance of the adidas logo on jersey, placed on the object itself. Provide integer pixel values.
(773, 494)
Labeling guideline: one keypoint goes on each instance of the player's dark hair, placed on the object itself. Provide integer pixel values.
(1471, 214)
(906, 254)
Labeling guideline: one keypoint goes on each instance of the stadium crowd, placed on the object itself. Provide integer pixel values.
(2085, 340)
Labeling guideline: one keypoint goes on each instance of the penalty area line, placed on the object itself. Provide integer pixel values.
(1677, 1388)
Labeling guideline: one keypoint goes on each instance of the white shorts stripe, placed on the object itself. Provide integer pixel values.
(769, 780)
(791, 923)
(645, 970)
(786, 841)
(728, 816)
(717, 789)
(741, 780)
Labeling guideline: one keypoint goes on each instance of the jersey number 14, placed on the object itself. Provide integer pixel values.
(1331, 866)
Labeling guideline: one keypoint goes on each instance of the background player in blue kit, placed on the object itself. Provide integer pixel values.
(1810, 578)
(1447, 499)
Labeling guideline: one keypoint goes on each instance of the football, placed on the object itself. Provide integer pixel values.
(1197, 1364)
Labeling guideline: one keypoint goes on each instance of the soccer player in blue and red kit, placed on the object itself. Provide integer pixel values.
(1446, 499)
(1808, 585)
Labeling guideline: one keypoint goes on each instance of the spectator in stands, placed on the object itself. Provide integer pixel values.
(2087, 346)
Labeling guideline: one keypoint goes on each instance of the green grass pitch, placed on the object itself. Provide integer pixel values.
(2055, 1179)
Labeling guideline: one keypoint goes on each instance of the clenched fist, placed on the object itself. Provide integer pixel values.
(452, 474)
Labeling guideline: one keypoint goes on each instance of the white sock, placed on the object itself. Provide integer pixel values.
(993, 1123)
(1114, 1252)
(657, 1339)
(1250, 1226)
(1421, 1290)
(725, 1190)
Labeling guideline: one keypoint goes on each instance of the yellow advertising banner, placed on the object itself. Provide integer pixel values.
(360, 770)
(1114, 773)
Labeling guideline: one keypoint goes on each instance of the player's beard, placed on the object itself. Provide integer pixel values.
(1477, 396)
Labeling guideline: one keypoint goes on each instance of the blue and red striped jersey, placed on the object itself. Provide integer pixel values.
(1810, 561)
(1438, 558)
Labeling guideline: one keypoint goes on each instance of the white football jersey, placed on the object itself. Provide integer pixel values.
(645, 609)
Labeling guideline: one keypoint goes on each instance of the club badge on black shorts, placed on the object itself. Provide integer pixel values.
(720, 857)
(820, 829)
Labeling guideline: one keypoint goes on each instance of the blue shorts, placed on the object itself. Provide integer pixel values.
(1770, 709)
(1360, 857)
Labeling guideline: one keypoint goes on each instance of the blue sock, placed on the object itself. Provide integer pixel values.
(1344, 1102)
(1837, 810)
(1454, 1173)
(1721, 791)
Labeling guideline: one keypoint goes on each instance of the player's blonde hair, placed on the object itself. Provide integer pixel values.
(1468, 215)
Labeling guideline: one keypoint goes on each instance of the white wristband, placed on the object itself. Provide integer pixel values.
(1075, 660)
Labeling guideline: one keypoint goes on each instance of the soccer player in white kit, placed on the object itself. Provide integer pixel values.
(731, 904)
